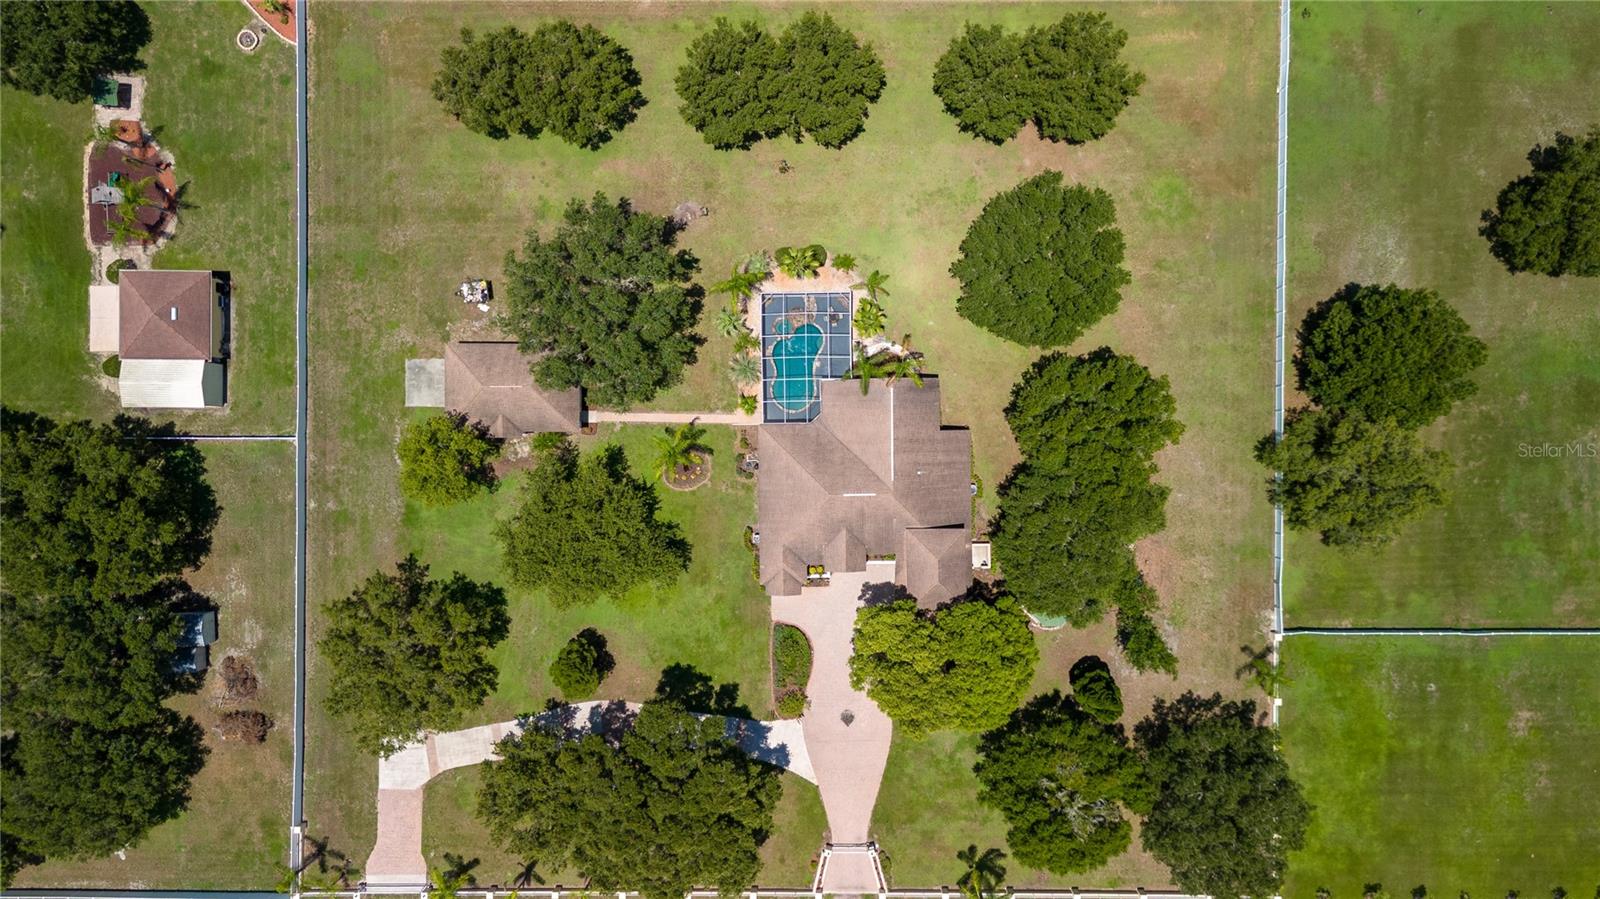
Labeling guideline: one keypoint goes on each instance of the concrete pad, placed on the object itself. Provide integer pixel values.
(405, 770)
(850, 872)
(105, 318)
(425, 383)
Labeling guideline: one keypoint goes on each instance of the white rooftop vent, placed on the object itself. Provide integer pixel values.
(174, 313)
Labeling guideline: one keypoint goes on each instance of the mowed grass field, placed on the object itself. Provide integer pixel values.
(228, 120)
(235, 833)
(406, 203)
(1405, 123)
(1464, 765)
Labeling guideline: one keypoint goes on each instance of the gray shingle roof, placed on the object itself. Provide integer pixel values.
(868, 477)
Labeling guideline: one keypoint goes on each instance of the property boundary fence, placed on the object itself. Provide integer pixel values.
(302, 210)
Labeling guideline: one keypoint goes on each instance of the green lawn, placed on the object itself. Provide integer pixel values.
(406, 203)
(235, 834)
(228, 120)
(1468, 766)
(1405, 123)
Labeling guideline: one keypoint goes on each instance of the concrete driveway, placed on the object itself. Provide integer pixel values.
(845, 732)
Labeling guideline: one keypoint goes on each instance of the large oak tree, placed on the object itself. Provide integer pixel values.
(667, 805)
(604, 303)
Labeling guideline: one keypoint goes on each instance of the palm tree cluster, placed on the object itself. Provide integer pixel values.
(888, 365)
(800, 262)
(678, 449)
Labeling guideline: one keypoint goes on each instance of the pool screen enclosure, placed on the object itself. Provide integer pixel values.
(805, 339)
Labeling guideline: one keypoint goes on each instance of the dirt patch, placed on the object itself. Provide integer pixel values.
(1522, 721)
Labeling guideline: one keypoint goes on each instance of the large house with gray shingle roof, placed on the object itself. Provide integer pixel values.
(872, 476)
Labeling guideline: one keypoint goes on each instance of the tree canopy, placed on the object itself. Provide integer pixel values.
(1088, 428)
(1548, 221)
(445, 459)
(410, 653)
(576, 83)
(1042, 262)
(1068, 78)
(1099, 400)
(98, 508)
(580, 665)
(1388, 352)
(1062, 533)
(59, 49)
(741, 85)
(587, 527)
(964, 667)
(669, 804)
(1225, 812)
(1355, 480)
(1060, 778)
(77, 791)
(93, 760)
(604, 303)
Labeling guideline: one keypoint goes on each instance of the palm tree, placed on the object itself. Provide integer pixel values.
(744, 369)
(278, 8)
(865, 369)
(738, 285)
(873, 284)
(728, 322)
(1268, 677)
(802, 262)
(869, 318)
(844, 262)
(984, 871)
(679, 447)
(445, 884)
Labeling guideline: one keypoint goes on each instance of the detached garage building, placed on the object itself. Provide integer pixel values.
(170, 328)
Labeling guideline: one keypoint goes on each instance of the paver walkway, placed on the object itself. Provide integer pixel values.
(396, 859)
(849, 758)
(599, 416)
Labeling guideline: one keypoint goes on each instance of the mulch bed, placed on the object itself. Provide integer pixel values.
(688, 477)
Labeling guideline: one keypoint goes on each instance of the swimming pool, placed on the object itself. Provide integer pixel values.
(793, 359)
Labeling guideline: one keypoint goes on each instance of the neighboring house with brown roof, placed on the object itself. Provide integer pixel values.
(171, 331)
(489, 382)
(871, 476)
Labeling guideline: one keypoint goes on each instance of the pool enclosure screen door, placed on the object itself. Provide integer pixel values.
(805, 339)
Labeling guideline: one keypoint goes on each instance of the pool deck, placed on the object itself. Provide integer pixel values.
(827, 280)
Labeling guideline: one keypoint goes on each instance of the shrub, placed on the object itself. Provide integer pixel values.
(574, 82)
(964, 667)
(1042, 262)
(1095, 690)
(740, 85)
(445, 459)
(112, 366)
(1354, 480)
(791, 704)
(116, 268)
(1387, 352)
(1549, 221)
(1068, 78)
(604, 304)
(581, 665)
(588, 527)
(791, 658)
(747, 403)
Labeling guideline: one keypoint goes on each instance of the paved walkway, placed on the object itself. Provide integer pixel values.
(601, 416)
(849, 758)
(397, 860)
